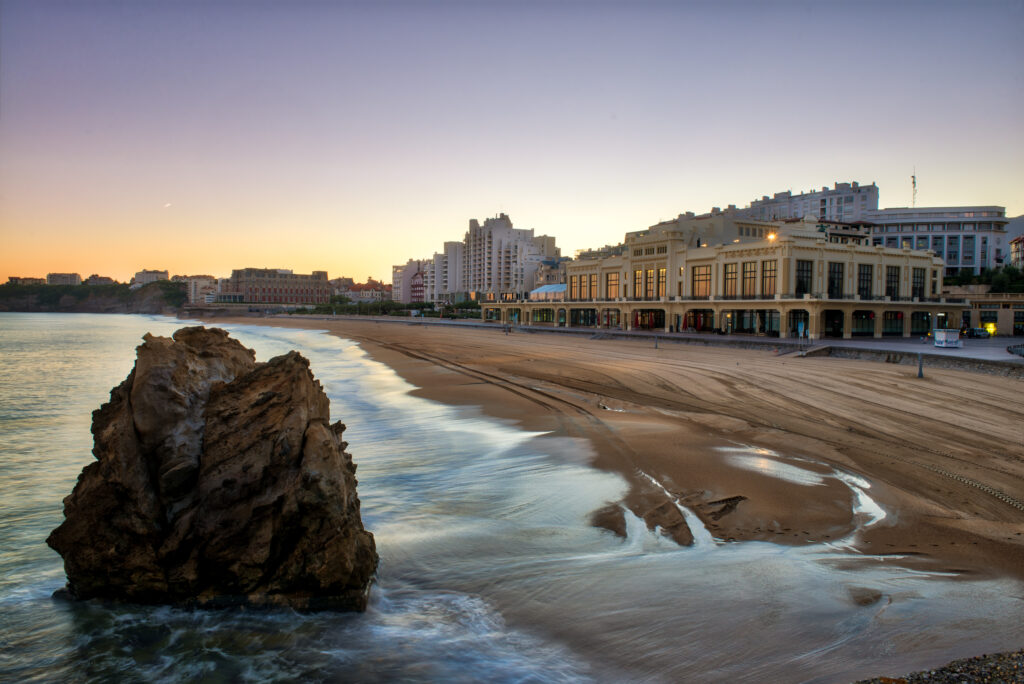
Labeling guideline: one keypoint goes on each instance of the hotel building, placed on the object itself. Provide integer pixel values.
(278, 286)
(729, 273)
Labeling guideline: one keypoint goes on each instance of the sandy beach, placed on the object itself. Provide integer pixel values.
(752, 441)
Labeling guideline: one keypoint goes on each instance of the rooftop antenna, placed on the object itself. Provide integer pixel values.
(913, 181)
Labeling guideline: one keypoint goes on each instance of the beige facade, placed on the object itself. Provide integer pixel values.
(724, 273)
(145, 277)
(199, 287)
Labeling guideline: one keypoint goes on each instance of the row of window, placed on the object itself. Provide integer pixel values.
(648, 251)
(930, 227)
(741, 280)
(865, 279)
(700, 279)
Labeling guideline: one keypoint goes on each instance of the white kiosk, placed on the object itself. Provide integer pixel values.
(947, 338)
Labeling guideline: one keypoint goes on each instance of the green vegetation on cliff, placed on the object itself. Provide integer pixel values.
(118, 298)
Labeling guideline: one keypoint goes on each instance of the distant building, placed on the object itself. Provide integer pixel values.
(550, 272)
(63, 279)
(442, 275)
(15, 280)
(966, 238)
(340, 286)
(845, 202)
(371, 291)
(278, 286)
(146, 276)
(99, 280)
(197, 287)
(1017, 252)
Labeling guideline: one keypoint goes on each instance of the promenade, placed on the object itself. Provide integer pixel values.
(990, 349)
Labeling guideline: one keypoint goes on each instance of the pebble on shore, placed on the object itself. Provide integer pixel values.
(997, 668)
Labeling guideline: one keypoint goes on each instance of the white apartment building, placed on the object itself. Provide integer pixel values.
(501, 261)
(442, 278)
(966, 238)
(845, 202)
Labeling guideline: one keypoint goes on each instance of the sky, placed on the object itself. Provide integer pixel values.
(199, 137)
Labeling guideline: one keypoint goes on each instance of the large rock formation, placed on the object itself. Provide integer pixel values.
(218, 481)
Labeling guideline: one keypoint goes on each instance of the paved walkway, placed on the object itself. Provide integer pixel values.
(991, 349)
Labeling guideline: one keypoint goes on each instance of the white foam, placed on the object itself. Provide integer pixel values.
(701, 536)
(863, 504)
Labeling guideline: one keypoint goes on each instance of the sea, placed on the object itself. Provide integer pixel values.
(490, 570)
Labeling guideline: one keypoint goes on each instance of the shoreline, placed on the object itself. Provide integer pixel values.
(940, 454)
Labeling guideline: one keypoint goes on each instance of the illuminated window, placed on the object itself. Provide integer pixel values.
(729, 280)
(768, 278)
(611, 285)
(662, 279)
(701, 281)
(749, 278)
(649, 291)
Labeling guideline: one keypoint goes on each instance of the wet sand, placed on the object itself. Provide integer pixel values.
(944, 455)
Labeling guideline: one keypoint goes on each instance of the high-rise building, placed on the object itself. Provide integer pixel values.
(442, 275)
(499, 260)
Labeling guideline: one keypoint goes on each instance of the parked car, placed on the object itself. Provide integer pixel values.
(976, 332)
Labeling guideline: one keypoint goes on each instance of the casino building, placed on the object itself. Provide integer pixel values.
(727, 273)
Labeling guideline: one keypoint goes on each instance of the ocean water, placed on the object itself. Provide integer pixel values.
(489, 568)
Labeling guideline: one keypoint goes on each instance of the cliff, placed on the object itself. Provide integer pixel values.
(154, 298)
(218, 481)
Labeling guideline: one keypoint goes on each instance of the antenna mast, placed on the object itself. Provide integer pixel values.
(913, 181)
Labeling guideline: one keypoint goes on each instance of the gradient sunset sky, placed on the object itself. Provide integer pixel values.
(349, 136)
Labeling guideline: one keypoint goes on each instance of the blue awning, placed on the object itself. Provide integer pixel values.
(545, 289)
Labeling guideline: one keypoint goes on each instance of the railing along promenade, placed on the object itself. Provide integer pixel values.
(789, 297)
